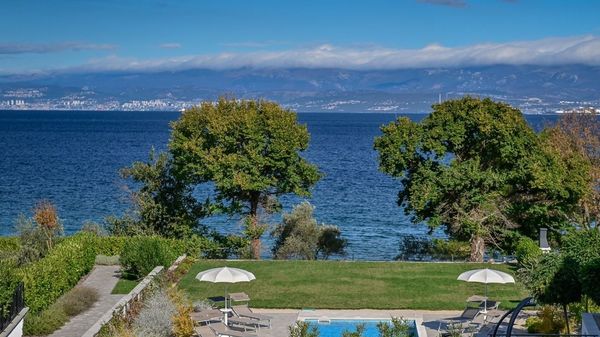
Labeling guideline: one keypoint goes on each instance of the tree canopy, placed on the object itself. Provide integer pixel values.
(163, 204)
(250, 150)
(475, 167)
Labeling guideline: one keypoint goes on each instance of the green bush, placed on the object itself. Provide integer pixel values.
(110, 245)
(590, 277)
(49, 278)
(450, 249)
(45, 322)
(144, 253)
(104, 260)
(548, 321)
(527, 251)
(78, 300)
(8, 283)
(9, 245)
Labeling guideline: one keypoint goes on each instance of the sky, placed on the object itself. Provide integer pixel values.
(155, 35)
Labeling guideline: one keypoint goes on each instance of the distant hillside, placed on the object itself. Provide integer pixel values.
(533, 88)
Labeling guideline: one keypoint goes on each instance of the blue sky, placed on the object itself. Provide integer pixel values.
(153, 34)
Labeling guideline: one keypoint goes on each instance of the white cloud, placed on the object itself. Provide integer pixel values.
(551, 51)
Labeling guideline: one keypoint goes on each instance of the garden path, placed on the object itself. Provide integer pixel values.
(103, 279)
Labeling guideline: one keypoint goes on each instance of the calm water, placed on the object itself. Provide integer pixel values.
(73, 158)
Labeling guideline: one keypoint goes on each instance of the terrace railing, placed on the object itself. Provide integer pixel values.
(17, 304)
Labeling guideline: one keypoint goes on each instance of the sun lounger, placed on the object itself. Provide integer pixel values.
(244, 311)
(222, 330)
(239, 297)
(204, 331)
(244, 322)
(207, 316)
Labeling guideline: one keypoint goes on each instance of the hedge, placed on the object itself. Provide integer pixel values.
(59, 271)
(73, 257)
(9, 245)
(9, 279)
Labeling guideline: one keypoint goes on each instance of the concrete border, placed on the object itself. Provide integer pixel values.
(122, 307)
(16, 325)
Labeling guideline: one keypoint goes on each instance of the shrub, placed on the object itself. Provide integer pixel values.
(299, 236)
(358, 332)
(142, 254)
(183, 325)
(590, 277)
(155, 317)
(78, 300)
(450, 249)
(94, 228)
(110, 245)
(47, 279)
(548, 321)
(9, 246)
(104, 260)
(8, 283)
(45, 322)
(303, 329)
(527, 251)
(397, 328)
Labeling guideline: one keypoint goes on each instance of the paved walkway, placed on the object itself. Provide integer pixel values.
(103, 279)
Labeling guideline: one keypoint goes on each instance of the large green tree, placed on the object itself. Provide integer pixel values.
(250, 150)
(475, 167)
(163, 204)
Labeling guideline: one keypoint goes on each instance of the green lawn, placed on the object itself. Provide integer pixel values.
(353, 285)
(124, 286)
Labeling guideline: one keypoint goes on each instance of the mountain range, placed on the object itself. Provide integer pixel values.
(535, 89)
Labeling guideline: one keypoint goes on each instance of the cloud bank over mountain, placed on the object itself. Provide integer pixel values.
(551, 51)
(584, 50)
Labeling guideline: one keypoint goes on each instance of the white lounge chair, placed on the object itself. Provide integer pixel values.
(244, 311)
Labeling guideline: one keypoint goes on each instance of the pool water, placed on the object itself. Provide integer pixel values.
(335, 327)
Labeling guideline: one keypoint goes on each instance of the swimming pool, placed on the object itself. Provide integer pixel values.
(335, 327)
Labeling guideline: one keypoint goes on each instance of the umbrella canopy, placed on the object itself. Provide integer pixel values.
(486, 276)
(225, 275)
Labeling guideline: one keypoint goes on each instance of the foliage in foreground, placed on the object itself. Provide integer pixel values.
(303, 329)
(250, 150)
(475, 168)
(397, 328)
(299, 236)
(563, 278)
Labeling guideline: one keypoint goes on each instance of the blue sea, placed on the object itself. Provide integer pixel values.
(72, 158)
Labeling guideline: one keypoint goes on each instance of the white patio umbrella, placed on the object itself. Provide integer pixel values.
(225, 275)
(486, 276)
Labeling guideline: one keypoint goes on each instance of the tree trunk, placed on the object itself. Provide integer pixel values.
(255, 241)
(477, 249)
(565, 311)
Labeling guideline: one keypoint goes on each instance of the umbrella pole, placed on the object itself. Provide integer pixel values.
(485, 301)
(225, 312)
